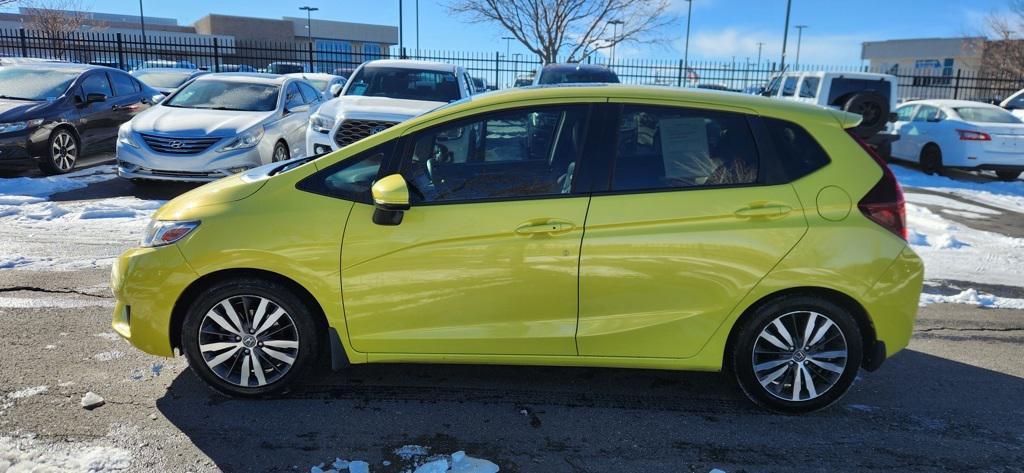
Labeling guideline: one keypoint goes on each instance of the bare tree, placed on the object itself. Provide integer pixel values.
(1004, 52)
(54, 20)
(573, 29)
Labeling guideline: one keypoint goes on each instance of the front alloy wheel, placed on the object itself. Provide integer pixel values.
(797, 353)
(62, 153)
(249, 337)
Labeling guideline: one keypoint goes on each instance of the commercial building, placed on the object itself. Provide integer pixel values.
(939, 57)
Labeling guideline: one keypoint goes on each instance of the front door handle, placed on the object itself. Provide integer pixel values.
(549, 227)
(766, 211)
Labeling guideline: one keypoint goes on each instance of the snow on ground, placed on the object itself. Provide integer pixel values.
(975, 298)
(954, 251)
(1004, 195)
(26, 454)
(416, 459)
(36, 233)
(27, 392)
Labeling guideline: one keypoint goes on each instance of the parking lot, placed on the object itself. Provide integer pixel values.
(949, 402)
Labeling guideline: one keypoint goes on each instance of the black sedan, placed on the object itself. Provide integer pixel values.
(51, 114)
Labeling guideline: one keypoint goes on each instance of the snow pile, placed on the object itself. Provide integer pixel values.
(416, 457)
(36, 233)
(975, 298)
(408, 452)
(26, 454)
(458, 462)
(953, 251)
(47, 186)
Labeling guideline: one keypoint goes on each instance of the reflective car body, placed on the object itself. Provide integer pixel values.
(174, 143)
(584, 275)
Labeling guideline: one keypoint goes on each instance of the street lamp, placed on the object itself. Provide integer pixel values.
(142, 23)
(785, 35)
(686, 49)
(309, 21)
(401, 43)
(760, 44)
(615, 36)
(799, 38)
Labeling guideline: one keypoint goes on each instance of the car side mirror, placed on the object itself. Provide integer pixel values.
(94, 97)
(335, 90)
(390, 199)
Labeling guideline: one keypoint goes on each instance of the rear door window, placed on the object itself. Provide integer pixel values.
(673, 147)
(905, 113)
(799, 153)
(789, 86)
(123, 84)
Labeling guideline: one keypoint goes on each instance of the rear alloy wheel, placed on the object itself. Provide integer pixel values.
(280, 152)
(931, 159)
(249, 338)
(62, 153)
(798, 354)
(1007, 175)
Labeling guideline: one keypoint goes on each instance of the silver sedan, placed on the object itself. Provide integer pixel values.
(218, 125)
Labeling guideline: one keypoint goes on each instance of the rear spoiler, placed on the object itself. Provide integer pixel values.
(846, 120)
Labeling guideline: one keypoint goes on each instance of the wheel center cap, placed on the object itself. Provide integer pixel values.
(249, 341)
(799, 356)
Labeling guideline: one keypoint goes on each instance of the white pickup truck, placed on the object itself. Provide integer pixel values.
(381, 94)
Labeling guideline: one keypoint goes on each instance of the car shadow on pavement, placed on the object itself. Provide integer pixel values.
(918, 410)
(124, 188)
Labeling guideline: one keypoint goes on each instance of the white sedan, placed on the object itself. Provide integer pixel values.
(942, 134)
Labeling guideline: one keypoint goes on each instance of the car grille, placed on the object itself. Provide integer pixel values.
(176, 145)
(351, 131)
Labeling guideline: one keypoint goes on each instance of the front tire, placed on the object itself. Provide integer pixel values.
(61, 153)
(931, 159)
(249, 337)
(280, 152)
(797, 354)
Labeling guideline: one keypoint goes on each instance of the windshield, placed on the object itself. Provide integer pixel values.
(578, 76)
(319, 84)
(225, 95)
(163, 79)
(986, 115)
(34, 84)
(401, 83)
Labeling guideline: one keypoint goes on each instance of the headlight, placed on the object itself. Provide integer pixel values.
(244, 140)
(18, 126)
(160, 233)
(124, 136)
(321, 124)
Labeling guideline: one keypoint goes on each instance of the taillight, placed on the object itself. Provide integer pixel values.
(970, 135)
(884, 203)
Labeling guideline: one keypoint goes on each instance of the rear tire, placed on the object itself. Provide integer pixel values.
(274, 345)
(62, 152)
(807, 364)
(1007, 175)
(931, 159)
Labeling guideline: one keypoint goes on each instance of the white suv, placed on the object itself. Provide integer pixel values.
(872, 96)
(380, 94)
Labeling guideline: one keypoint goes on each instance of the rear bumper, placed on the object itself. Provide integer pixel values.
(147, 282)
(892, 304)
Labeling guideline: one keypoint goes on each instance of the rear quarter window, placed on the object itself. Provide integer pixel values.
(797, 151)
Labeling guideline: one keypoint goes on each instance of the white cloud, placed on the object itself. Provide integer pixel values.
(722, 45)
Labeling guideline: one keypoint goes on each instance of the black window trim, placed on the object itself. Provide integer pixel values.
(611, 151)
(394, 167)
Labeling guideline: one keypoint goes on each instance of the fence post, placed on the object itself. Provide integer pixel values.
(24, 42)
(956, 85)
(497, 67)
(216, 55)
(679, 81)
(120, 53)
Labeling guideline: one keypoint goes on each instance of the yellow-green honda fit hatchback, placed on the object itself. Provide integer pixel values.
(579, 226)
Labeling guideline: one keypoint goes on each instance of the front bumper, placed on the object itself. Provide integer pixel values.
(147, 282)
(319, 143)
(207, 166)
(20, 149)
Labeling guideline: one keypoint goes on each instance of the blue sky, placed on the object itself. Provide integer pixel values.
(721, 30)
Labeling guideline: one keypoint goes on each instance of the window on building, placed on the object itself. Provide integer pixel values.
(332, 54)
(371, 51)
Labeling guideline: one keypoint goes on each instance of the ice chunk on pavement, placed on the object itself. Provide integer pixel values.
(92, 400)
(439, 465)
(458, 462)
(340, 464)
(407, 452)
(973, 297)
(358, 466)
(25, 454)
(27, 392)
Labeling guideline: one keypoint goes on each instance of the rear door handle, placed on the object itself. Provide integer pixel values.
(550, 227)
(767, 211)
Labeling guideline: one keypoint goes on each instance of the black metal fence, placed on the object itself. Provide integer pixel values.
(130, 51)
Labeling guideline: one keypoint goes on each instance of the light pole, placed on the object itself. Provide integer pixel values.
(417, 27)
(615, 36)
(142, 23)
(686, 49)
(799, 38)
(309, 31)
(785, 36)
(508, 42)
(401, 37)
(760, 44)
